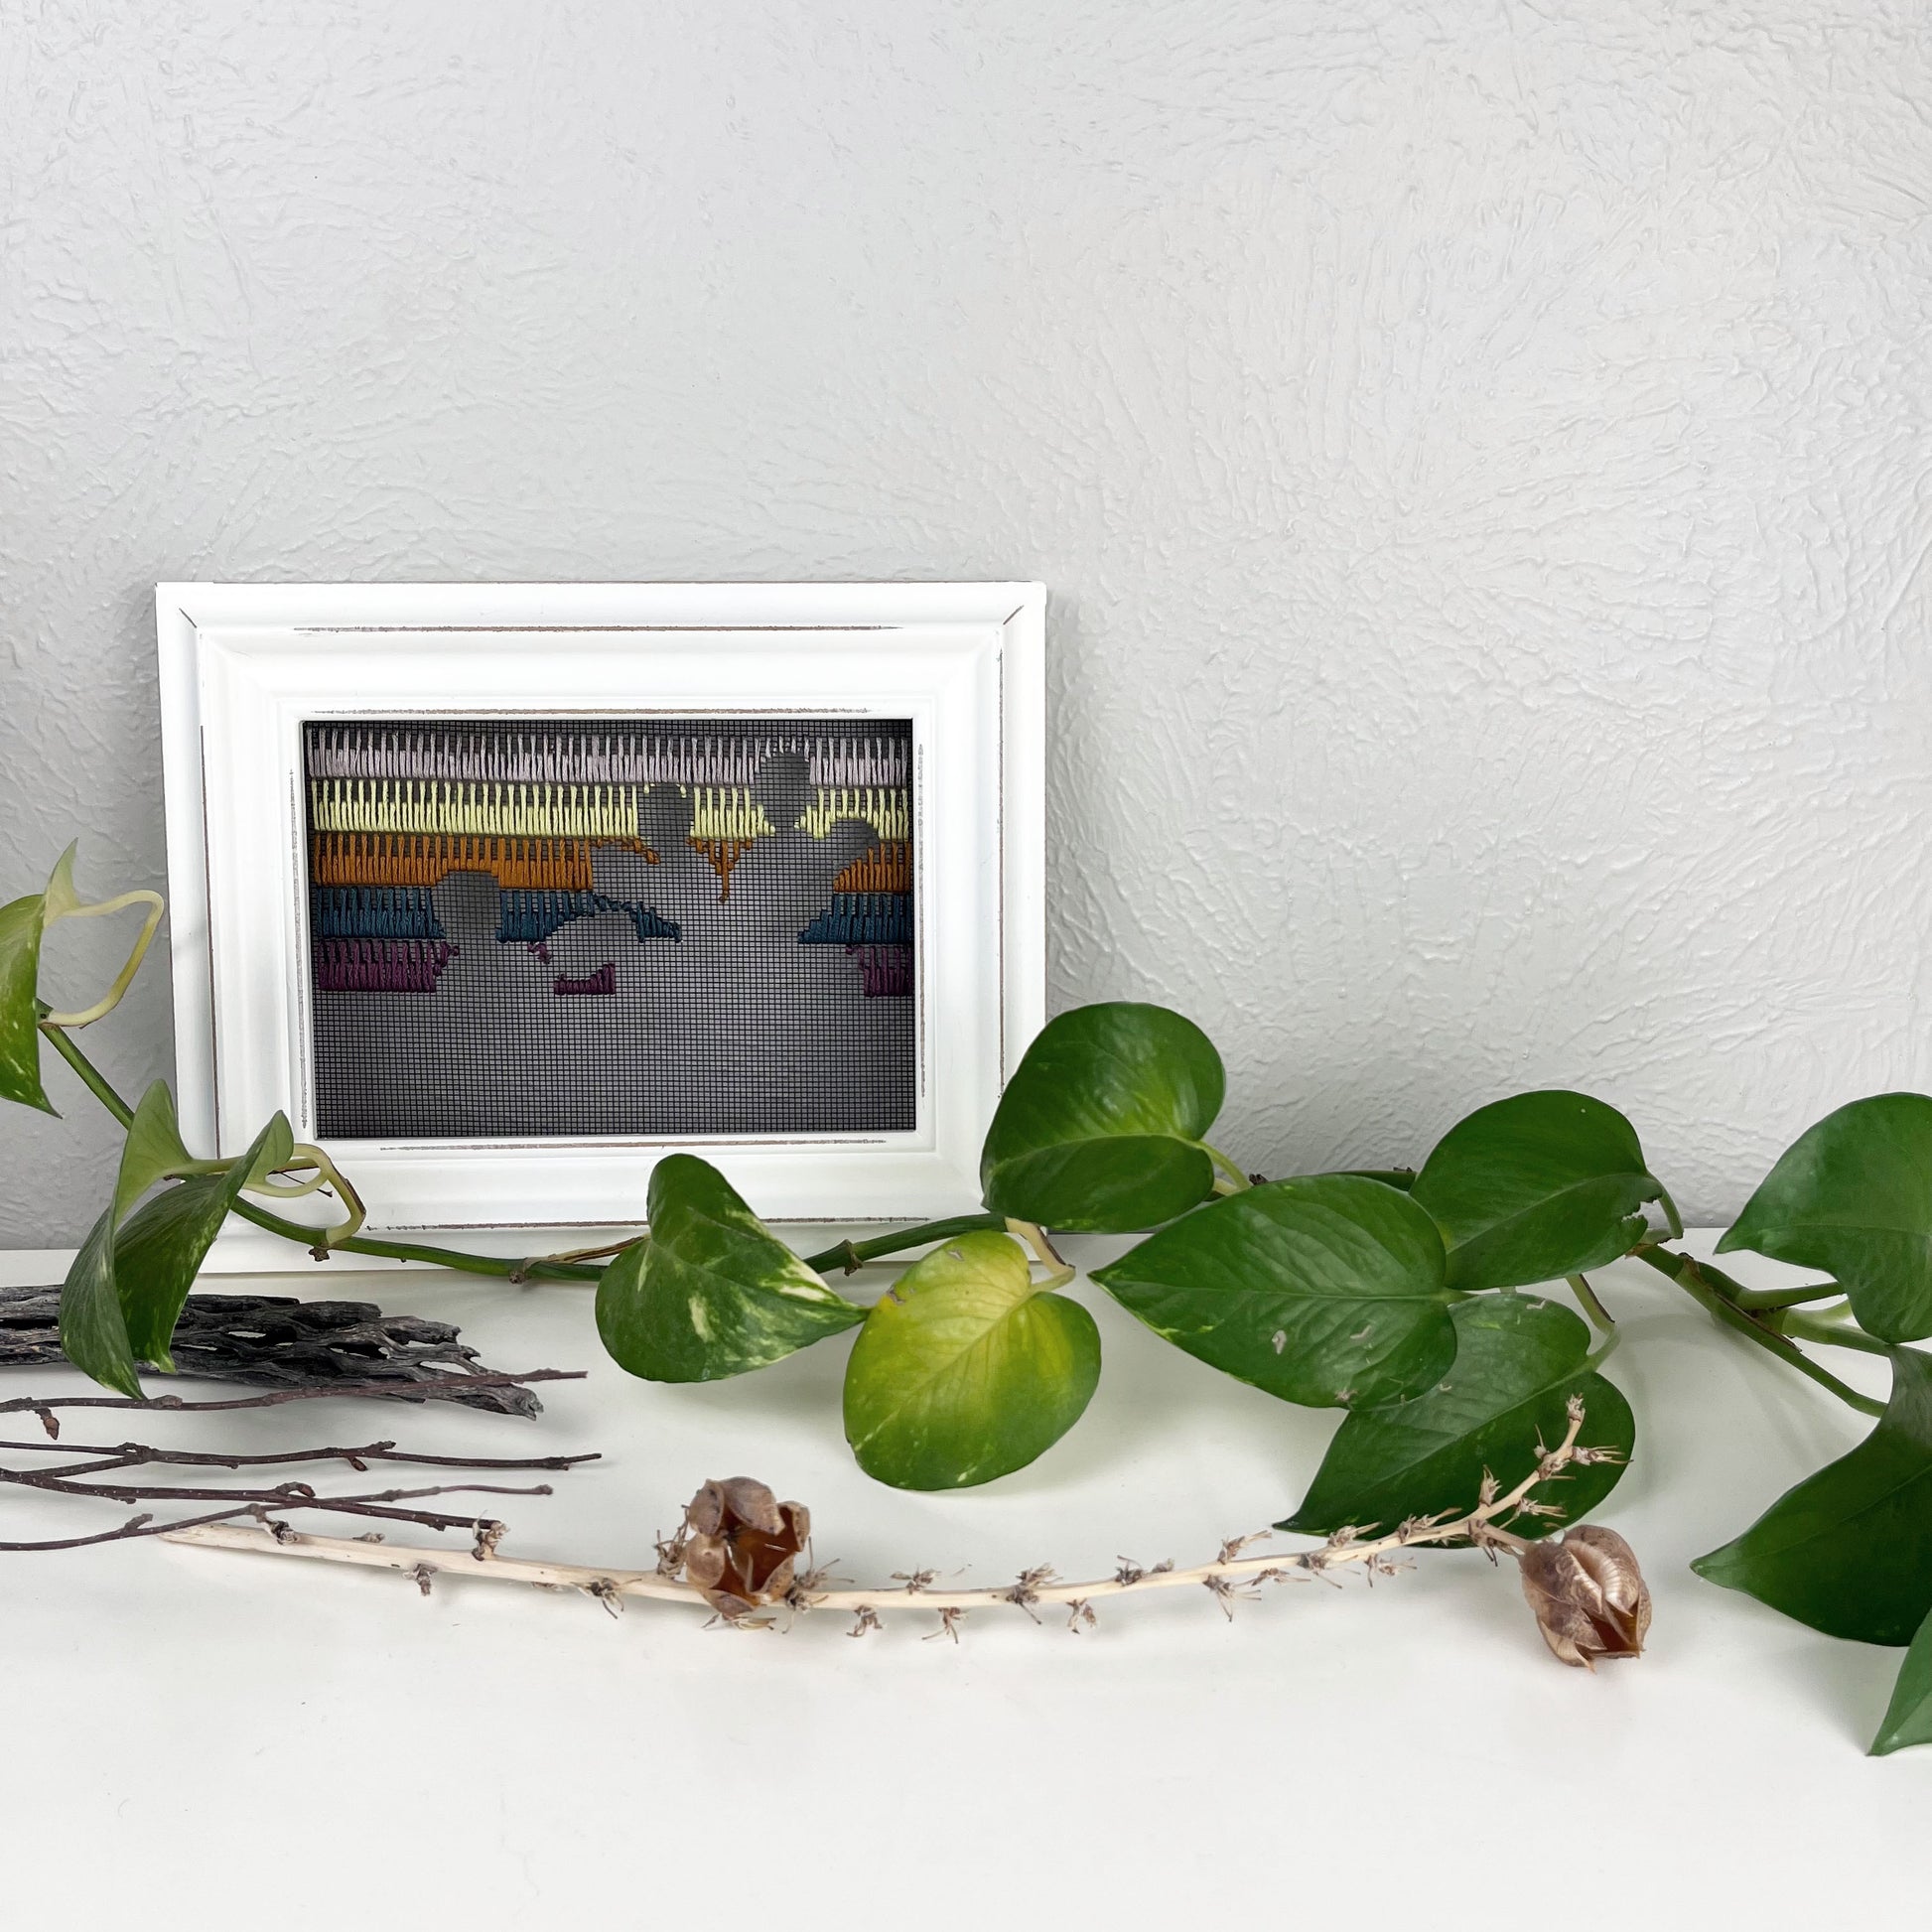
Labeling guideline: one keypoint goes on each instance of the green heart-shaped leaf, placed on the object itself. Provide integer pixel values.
(1853, 1196)
(712, 1292)
(966, 1370)
(1324, 1290)
(1518, 1361)
(1908, 1718)
(1536, 1188)
(21, 925)
(1100, 1126)
(1848, 1551)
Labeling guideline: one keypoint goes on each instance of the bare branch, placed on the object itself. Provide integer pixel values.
(141, 1455)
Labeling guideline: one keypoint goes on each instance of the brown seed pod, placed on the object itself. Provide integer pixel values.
(742, 1545)
(1590, 1597)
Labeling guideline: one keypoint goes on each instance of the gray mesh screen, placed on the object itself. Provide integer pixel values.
(621, 927)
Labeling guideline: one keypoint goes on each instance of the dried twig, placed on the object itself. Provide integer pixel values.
(77, 1479)
(137, 1455)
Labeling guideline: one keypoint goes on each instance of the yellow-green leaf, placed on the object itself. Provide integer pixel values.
(967, 1370)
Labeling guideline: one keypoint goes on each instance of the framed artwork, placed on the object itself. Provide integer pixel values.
(503, 891)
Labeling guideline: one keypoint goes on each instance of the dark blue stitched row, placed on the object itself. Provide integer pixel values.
(862, 918)
(531, 916)
(373, 913)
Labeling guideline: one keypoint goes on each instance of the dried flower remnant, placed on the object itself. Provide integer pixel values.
(1590, 1597)
(742, 1545)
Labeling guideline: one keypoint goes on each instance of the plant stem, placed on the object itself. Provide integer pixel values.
(1238, 1181)
(1786, 1298)
(1671, 1214)
(1401, 1179)
(1060, 1271)
(494, 1266)
(109, 1001)
(1712, 1290)
(95, 1082)
(849, 1256)
(91, 1075)
(1592, 1307)
(609, 1251)
(1805, 1327)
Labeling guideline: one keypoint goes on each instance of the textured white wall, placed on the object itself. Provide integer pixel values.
(1478, 451)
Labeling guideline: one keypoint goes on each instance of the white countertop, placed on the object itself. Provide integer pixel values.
(196, 1738)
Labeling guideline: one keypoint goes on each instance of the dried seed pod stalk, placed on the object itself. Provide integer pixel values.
(1590, 1597)
(738, 1552)
(742, 1545)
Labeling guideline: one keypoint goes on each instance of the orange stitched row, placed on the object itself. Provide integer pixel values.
(884, 869)
(427, 858)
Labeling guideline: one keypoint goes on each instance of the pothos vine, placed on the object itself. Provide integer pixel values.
(1411, 1300)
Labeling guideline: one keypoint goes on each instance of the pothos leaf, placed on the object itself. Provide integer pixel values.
(153, 1148)
(1324, 1290)
(124, 1292)
(1100, 1126)
(1536, 1188)
(1518, 1361)
(63, 900)
(1908, 1718)
(1848, 1551)
(712, 1292)
(160, 1249)
(93, 1331)
(21, 925)
(966, 1370)
(1853, 1195)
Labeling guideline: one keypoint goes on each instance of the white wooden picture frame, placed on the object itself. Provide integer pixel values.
(244, 669)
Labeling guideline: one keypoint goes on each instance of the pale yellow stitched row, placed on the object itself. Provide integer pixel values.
(504, 810)
(726, 812)
(886, 812)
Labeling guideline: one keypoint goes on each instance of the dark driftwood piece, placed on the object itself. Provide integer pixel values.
(278, 1341)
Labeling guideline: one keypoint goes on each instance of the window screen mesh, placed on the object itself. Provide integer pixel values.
(653, 927)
